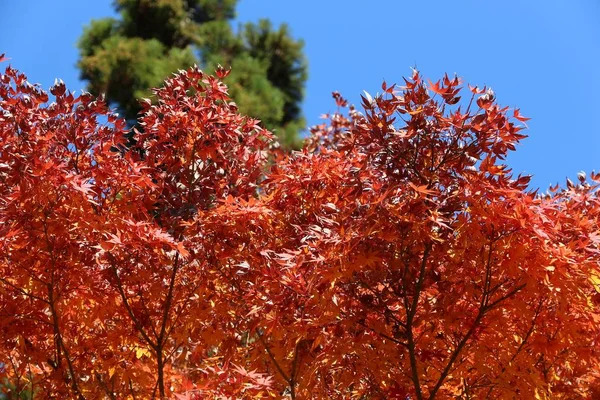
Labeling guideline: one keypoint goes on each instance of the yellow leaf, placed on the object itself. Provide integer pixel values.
(595, 279)
(517, 338)
(141, 352)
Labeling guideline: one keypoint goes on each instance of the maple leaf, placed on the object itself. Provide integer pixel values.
(435, 87)
(517, 115)
(185, 396)
(83, 187)
(422, 190)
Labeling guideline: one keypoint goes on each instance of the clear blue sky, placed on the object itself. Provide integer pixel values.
(540, 56)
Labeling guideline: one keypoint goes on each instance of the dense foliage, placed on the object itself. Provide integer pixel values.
(154, 38)
(393, 257)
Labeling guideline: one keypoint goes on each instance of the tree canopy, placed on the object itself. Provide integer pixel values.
(125, 57)
(394, 257)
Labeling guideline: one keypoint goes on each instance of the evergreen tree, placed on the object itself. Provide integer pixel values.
(153, 38)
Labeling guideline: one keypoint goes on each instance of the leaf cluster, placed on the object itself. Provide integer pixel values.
(394, 256)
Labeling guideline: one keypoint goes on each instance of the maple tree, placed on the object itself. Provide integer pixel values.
(395, 256)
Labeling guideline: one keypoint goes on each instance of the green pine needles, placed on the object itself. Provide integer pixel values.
(154, 38)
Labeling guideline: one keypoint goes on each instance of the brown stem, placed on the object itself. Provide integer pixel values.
(411, 311)
(161, 378)
(455, 355)
(161, 340)
(131, 391)
(134, 319)
(482, 311)
(22, 291)
(60, 346)
(383, 335)
(272, 357)
(294, 373)
(104, 387)
(521, 346)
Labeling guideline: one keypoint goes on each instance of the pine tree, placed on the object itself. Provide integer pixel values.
(154, 38)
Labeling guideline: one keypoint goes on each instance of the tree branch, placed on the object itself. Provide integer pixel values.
(134, 319)
(277, 366)
(411, 311)
(484, 308)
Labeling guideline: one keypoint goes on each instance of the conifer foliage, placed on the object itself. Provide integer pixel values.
(153, 38)
(395, 256)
